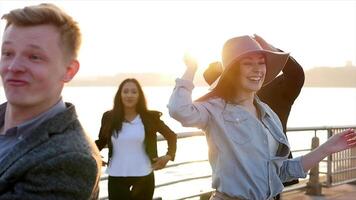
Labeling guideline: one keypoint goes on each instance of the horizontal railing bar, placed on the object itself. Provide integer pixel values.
(344, 170)
(198, 195)
(341, 159)
(182, 180)
(300, 150)
(185, 163)
(343, 182)
(319, 128)
(291, 129)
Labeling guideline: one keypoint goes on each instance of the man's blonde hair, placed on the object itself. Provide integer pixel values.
(70, 36)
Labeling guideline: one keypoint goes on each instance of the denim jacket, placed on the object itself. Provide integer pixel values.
(238, 146)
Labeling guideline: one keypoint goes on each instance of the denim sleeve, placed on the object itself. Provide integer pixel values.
(182, 108)
(292, 169)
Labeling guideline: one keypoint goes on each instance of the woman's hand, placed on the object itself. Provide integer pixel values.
(190, 62)
(192, 67)
(160, 162)
(340, 141)
(264, 44)
(103, 163)
(336, 143)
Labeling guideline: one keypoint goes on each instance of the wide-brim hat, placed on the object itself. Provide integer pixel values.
(236, 48)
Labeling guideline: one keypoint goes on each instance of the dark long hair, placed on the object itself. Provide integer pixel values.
(226, 87)
(117, 114)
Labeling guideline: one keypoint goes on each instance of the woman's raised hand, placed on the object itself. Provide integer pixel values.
(192, 67)
(190, 62)
(263, 43)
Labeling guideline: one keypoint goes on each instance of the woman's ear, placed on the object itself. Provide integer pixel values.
(71, 71)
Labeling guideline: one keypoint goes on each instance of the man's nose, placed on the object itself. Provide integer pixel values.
(16, 65)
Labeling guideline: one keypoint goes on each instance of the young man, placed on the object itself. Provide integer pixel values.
(44, 152)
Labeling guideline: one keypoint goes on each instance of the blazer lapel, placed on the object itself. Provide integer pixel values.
(22, 148)
(39, 135)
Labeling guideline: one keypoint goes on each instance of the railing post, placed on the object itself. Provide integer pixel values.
(329, 180)
(313, 185)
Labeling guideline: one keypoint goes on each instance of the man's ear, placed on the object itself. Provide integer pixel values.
(71, 71)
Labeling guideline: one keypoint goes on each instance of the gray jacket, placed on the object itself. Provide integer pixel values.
(56, 161)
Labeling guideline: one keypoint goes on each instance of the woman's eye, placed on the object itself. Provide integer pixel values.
(246, 63)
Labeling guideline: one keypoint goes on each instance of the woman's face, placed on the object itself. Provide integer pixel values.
(252, 72)
(129, 95)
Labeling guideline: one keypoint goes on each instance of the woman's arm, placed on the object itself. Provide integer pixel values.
(338, 142)
(102, 140)
(290, 82)
(171, 138)
(298, 167)
(180, 105)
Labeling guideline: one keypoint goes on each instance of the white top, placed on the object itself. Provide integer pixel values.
(272, 143)
(129, 156)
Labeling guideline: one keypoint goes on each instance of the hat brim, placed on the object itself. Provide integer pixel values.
(275, 62)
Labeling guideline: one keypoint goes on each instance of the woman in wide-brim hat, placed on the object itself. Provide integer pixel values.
(248, 151)
(223, 76)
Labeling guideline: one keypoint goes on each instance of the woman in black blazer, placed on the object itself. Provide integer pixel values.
(129, 130)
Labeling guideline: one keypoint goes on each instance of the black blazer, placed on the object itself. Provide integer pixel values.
(152, 124)
(280, 94)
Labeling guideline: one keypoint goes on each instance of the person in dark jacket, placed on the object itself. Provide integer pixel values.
(129, 130)
(279, 94)
(44, 151)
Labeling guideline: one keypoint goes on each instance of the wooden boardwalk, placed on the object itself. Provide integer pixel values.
(340, 192)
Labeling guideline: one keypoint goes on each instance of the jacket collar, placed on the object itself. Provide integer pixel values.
(54, 125)
(262, 107)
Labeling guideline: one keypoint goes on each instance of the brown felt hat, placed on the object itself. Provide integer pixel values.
(236, 48)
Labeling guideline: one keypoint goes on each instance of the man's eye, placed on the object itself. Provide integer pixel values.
(6, 54)
(34, 57)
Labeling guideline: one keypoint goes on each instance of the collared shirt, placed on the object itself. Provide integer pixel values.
(129, 155)
(15, 134)
(239, 152)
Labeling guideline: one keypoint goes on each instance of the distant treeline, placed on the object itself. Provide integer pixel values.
(331, 77)
(316, 77)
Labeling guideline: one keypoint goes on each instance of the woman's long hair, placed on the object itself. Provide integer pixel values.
(117, 114)
(226, 87)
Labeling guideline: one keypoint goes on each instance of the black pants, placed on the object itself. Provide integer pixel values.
(131, 188)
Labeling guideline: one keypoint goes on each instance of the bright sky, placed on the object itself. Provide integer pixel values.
(152, 36)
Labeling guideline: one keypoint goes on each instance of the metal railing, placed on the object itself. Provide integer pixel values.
(340, 167)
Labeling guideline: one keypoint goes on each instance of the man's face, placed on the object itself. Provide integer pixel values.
(32, 65)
